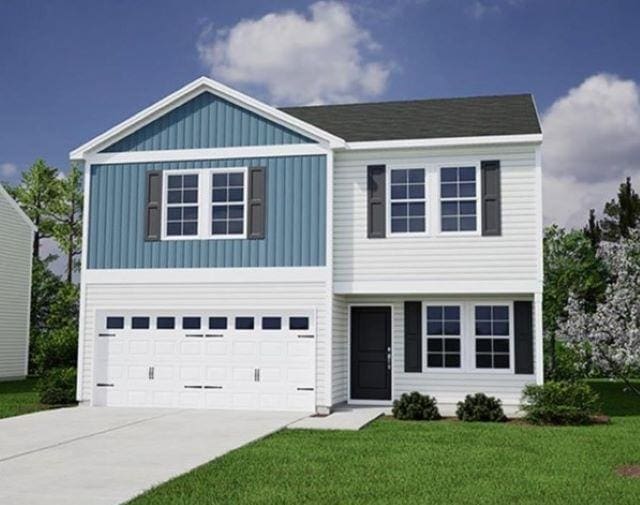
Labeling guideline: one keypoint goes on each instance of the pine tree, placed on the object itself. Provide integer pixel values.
(621, 214)
(593, 231)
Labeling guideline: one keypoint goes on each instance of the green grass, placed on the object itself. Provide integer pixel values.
(427, 462)
(19, 397)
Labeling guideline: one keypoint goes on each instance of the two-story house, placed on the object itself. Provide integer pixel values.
(243, 256)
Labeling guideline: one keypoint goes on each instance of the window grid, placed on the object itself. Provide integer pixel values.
(227, 203)
(443, 329)
(458, 199)
(182, 205)
(408, 200)
(492, 330)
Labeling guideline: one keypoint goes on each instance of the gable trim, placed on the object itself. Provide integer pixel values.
(16, 206)
(186, 93)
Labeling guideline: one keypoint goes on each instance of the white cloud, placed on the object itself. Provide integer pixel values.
(8, 169)
(591, 143)
(324, 56)
(478, 9)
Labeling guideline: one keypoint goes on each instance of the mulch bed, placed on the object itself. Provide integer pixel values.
(632, 471)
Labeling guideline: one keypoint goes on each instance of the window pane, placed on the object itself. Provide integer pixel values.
(500, 345)
(500, 328)
(219, 212)
(398, 192)
(217, 323)
(416, 175)
(483, 328)
(235, 195)
(219, 180)
(468, 208)
(190, 323)
(174, 213)
(174, 229)
(448, 174)
(399, 225)
(235, 227)
(174, 181)
(449, 191)
(115, 323)
(501, 312)
(398, 176)
(434, 328)
(189, 196)
(416, 225)
(501, 361)
(236, 211)
(165, 323)
(467, 224)
(399, 209)
(451, 328)
(271, 323)
(483, 361)
(483, 312)
(219, 195)
(435, 312)
(434, 344)
(174, 197)
(467, 190)
(298, 323)
(236, 179)
(190, 228)
(190, 181)
(449, 208)
(434, 360)
(190, 213)
(452, 312)
(467, 173)
(416, 209)
(416, 191)
(244, 323)
(219, 228)
(483, 345)
(452, 345)
(140, 323)
(452, 361)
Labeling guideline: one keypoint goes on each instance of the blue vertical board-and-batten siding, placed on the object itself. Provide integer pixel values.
(295, 227)
(207, 121)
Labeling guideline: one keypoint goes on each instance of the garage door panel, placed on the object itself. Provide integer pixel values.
(206, 368)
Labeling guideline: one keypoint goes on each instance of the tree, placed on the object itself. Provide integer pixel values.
(621, 214)
(37, 192)
(593, 231)
(67, 215)
(609, 337)
(570, 266)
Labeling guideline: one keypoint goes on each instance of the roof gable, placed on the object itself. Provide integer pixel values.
(4, 195)
(425, 119)
(207, 121)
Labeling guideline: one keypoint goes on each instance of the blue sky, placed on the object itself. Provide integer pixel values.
(71, 69)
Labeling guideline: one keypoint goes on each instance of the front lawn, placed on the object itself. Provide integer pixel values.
(19, 397)
(427, 462)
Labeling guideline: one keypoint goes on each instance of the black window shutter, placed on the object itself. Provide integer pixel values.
(412, 336)
(257, 203)
(376, 204)
(153, 205)
(491, 208)
(523, 333)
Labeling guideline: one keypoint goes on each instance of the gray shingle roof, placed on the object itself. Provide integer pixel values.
(425, 119)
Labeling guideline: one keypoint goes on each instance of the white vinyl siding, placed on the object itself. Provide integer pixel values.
(245, 297)
(15, 274)
(449, 385)
(459, 262)
(340, 351)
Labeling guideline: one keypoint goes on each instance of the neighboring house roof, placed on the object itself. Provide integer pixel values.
(425, 119)
(5, 194)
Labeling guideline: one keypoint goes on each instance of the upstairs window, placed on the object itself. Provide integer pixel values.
(458, 199)
(182, 205)
(408, 202)
(228, 203)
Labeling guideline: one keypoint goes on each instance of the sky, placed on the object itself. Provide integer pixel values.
(70, 69)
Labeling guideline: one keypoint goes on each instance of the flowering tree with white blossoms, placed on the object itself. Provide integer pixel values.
(610, 336)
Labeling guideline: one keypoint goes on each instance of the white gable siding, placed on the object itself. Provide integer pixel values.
(15, 291)
(245, 296)
(439, 263)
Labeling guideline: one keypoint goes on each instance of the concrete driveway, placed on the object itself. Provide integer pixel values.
(105, 456)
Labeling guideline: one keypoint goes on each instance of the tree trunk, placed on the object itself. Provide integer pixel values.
(36, 244)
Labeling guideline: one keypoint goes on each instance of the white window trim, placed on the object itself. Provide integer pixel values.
(474, 337)
(467, 337)
(439, 199)
(426, 200)
(205, 183)
(463, 328)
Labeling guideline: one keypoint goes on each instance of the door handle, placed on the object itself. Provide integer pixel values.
(388, 358)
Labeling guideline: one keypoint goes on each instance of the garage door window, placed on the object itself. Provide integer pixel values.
(298, 323)
(115, 323)
(217, 323)
(271, 323)
(166, 323)
(140, 323)
(244, 323)
(190, 323)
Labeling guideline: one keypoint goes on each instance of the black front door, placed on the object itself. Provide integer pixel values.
(370, 353)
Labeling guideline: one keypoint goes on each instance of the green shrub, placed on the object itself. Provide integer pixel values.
(480, 407)
(416, 407)
(57, 348)
(58, 386)
(560, 403)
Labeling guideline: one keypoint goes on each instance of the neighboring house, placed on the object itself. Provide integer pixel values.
(16, 246)
(242, 256)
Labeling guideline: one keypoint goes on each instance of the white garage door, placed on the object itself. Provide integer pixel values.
(233, 360)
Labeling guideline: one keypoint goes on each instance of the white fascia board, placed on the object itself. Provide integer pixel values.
(18, 209)
(435, 287)
(445, 142)
(299, 275)
(207, 154)
(188, 92)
